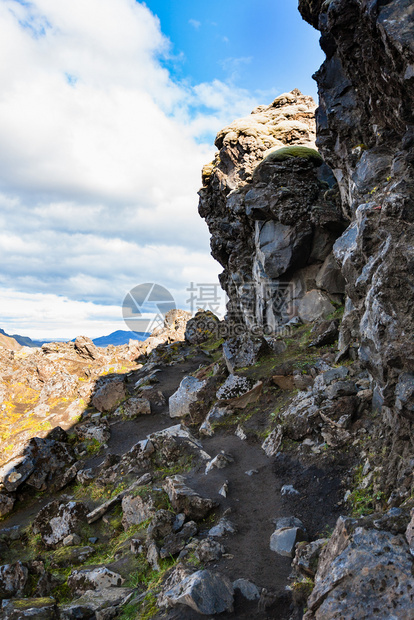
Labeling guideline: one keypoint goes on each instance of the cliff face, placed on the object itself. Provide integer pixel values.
(365, 133)
(273, 216)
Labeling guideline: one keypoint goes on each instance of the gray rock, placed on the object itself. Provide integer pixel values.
(34, 608)
(244, 350)
(13, 579)
(201, 327)
(341, 388)
(404, 393)
(186, 500)
(108, 396)
(365, 570)
(15, 472)
(153, 555)
(71, 540)
(247, 589)
(233, 387)
(288, 489)
(223, 527)
(89, 430)
(289, 531)
(220, 461)
(175, 542)
(330, 278)
(209, 550)
(273, 442)
(92, 602)
(57, 520)
(80, 581)
(188, 393)
(215, 414)
(205, 592)
(314, 305)
(307, 555)
(136, 509)
(136, 406)
(162, 524)
(6, 504)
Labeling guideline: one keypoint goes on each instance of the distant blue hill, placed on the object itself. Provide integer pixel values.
(119, 337)
(25, 341)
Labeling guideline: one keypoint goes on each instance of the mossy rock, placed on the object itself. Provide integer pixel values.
(289, 152)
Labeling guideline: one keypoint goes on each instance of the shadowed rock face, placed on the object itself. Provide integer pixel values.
(273, 215)
(365, 132)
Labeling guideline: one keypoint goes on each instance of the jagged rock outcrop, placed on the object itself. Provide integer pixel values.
(273, 215)
(365, 132)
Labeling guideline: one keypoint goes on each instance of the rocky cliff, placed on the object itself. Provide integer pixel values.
(273, 210)
(365, 133)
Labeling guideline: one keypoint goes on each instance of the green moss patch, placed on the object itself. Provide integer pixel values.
(290, 152)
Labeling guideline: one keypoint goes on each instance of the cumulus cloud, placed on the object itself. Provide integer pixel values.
(100, 158)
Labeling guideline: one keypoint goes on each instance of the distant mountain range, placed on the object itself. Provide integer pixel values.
(117, 338)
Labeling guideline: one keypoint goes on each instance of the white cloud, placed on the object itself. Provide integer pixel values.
(100, 158)
(194, 23)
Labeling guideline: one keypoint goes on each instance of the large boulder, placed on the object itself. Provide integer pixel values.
(186, 500)
(109, 395)
(366, 570)
(201, 327)
(288, 532)
(80, 581)
(188, 393)
(13, 579)
(137, 508)
(244, 350)
(57, 520)
(206, 592)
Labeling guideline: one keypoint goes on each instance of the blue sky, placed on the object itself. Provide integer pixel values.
(261, 46)
(108, 111)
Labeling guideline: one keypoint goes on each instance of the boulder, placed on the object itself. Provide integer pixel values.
(289, 531)
(330, 278)
(175, 542)
(244, 350)
(201, 327)
(6, 504)
(206, 592)
(314, 305)
(233, 387)
(93, 603)
(13, 579)
(91, 431)
(86, 348)
(44, 608)
(188, 393)
(108, 396)
(137, 508)
(57, 520)
(162, 524)
(324, 333)
(247, 589)
(223, 527)
(186, 500)
(307, 555)
(80, 581)
(362, 569)
(15, 472)
(136, 406)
